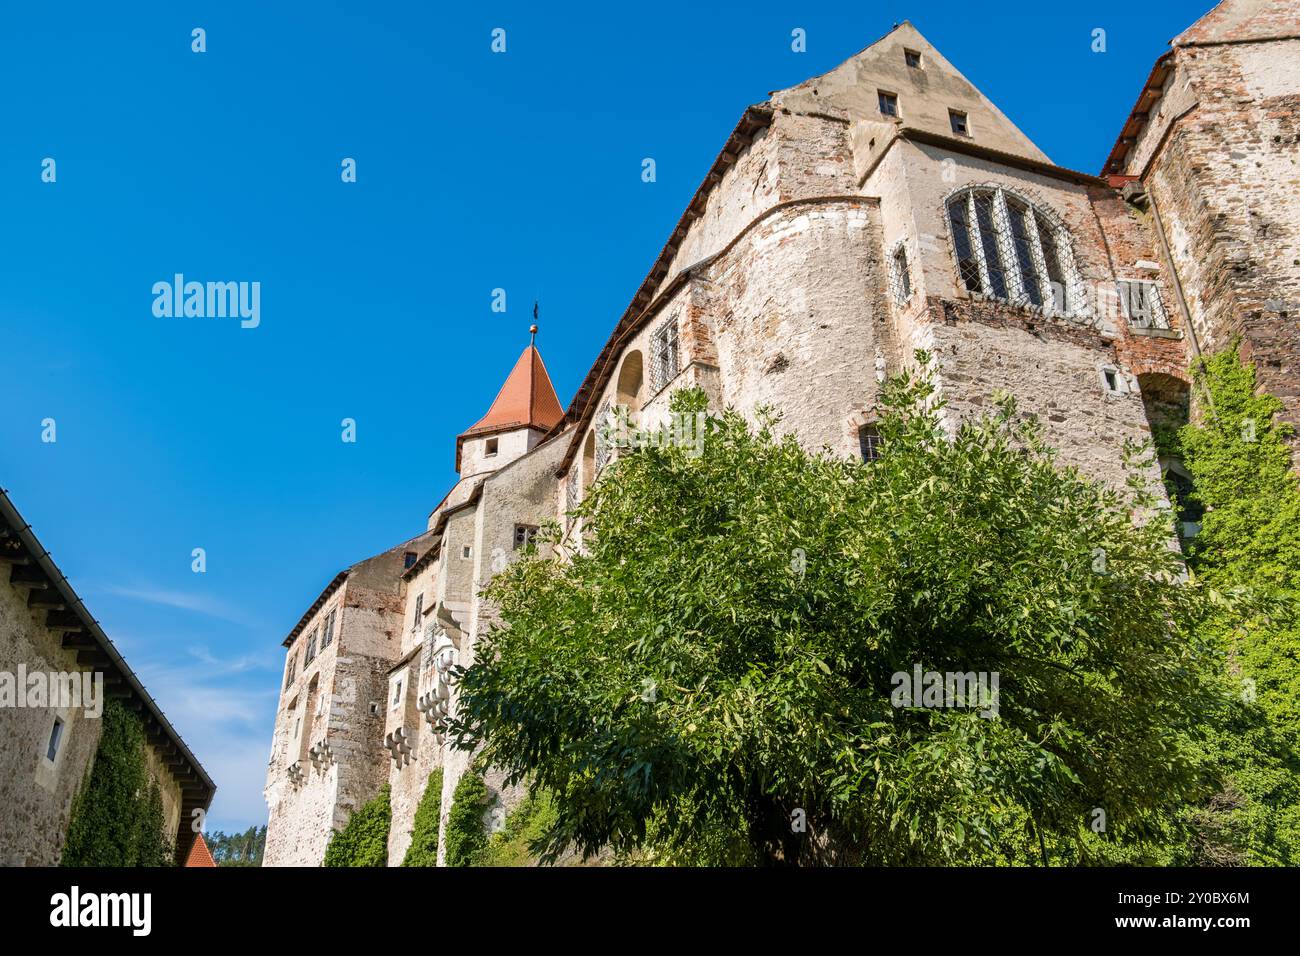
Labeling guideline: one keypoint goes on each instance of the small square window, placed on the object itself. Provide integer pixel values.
(465, 551)
(56, 737)
(1113, 381)
(524, 534)
(959, 124)
(888, 103)
(490, 448)
(374, 708)
(913, 58)
(869, 443)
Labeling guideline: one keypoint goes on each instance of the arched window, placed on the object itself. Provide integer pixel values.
(1010, 249)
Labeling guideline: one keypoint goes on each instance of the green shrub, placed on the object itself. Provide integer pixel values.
(466, 835)
(520, 841)
(364, 841)
(117, 817)
(423, 850)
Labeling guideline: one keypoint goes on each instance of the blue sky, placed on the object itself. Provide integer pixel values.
(475, 171)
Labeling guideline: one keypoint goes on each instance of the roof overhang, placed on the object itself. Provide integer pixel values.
(1152, 90)
(65, 612)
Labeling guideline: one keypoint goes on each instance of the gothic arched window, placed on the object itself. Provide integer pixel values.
(1011, 249)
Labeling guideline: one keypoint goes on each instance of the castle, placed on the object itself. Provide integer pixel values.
(882, 207)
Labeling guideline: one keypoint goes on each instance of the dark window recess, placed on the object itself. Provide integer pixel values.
(1052, 257)
(1183, 492)
(888, 103)
(419, 606)
(958, 120)
(524, 534)
(988, 238)
(913, 58)
(1019, 213)
(869, 442)
(328, 637)
(293, 670)
(967, 265)
(491, 448)
(56, 736)
(311, 649)
(408, 559)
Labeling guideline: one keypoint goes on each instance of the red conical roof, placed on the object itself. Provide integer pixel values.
(526, 400)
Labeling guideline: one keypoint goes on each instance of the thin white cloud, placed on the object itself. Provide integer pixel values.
(182, 600)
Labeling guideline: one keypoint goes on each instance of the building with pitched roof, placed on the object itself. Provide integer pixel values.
(48, 744)
(881, 208)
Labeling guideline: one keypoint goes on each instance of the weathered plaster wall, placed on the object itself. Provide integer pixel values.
(36, 794)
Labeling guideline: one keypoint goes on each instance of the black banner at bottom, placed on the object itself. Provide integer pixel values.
(269, 904)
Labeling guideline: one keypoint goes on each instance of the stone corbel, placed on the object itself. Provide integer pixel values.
(399, 746)
(321, 755)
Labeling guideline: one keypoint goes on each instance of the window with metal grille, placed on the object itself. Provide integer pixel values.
(602, 435)
(311, 649)
(869, 442)
(524, 534)
(1142, 306)
(419, 607)
(888, 102)
(327, 638)
(663, 355)
(900, 278)
(571, 494)
(1009, 249)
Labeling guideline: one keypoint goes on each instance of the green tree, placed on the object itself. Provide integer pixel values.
(466, 835)
(364, 841)
(524, 834)
(117, 816)
(1249, 539)
(712, 678)
(423, 850)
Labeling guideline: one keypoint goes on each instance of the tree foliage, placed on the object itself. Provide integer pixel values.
(364, 841)
(523, 838)
(466, 834)
(709, 679)
(1249, 539)
(237, 849)
(423, 850)
(117, 816)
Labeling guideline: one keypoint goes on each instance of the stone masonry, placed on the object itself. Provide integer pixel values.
(883, 207)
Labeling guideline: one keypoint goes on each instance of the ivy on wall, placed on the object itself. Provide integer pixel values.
(1250, 541)
(466, 835)
(423, 850)
(364, 841)
(117, 817)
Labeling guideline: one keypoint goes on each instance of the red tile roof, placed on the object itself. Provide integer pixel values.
(199, 855)
(526, 400)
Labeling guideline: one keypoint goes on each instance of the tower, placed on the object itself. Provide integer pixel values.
(524, 410)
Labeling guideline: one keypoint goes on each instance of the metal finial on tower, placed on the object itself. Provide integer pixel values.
(532, 329)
